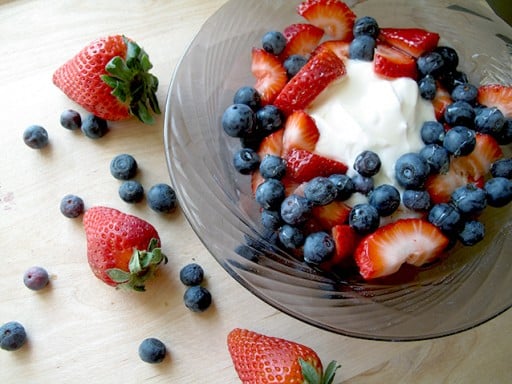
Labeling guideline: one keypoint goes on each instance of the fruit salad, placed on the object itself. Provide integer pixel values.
(366, 145)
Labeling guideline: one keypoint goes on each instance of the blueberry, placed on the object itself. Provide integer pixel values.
(460, 113)
(269, 119)
(273, 42)
(450, 57)
(318, 247)
(364, 218)
(490, 121)
(505, 135)
(362, 184)
(248, 96)
(197, 298)
(446, 217)
(430, 63)
(427, 87)
(70, 119)
(411, 170)
(246, 160)
(295, 209)
(469, 199)
(131, 191)
(238, 120)
(320, 191)
(465, 92)
(161, 198)
(270, 194)
(367, 163)
(270, 219)
(437, 158)
(416, 200)
(385, 198)
(36, 278)
(152, 351)
(362, 48)
(432, 132)
(366, 25)
(460, 141)
(123, 167)
(293, 64)
(344, 186)
(502, 168)
(450, 79)
(272, 167)
(94, 127)
(498, 191)
(192, 274)
(71, 206)
(36, 137)
(12, 336)
(472, 233)
(291, 237)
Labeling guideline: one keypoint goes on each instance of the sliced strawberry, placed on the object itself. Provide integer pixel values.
(300, 132)
(497, 95)
(269, 73)
(339, 47)
(478, 163)
(306, 85)
(392, 63)
(270, 145)
(333, 16)
(345, 241)
(414, 41)
(441, 186)
(441, 100)
(332, 214)
(302, 39)
(303, 165)
(412, 241)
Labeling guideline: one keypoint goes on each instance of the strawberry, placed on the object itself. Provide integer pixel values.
(300, 132)
(269, 73)
(321, 69)
(339, 47)
(497, 95)
(412, 241)
(260, 359)
(332, 214)
(110, 79)
(441, 186)
(301, 39)
(122, 250)
(478, 163)
(303, 165)
(441, 100)
(346, 241)
(413, 41)
(392, 63)
(333, 16)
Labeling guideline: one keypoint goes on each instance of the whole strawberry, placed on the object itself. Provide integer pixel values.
(262, 359)
(122, 250)
(110, 78)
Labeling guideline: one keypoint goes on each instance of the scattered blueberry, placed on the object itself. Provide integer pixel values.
(71, 206)
(432, 132)
(152, 351)
(364, 218)
(161, 198)
(270, 194)
(366, 25)
(460, 113)
(490, 121)
(273, 42)
(367, 163)
(460, 141)
(131, 191)
(446, 217)
(295, 209)
(238, 120)
(362, 184)
(437, 158)
(70, 119)
(248, 96)
(411, 170)
(344, 186)
(416, 200)
(246, 160)
(290, 236)
(269, 119)
(498, 191)
(465, 92)
(12, 336)
(362, 48)
(123, 167)
(293, 64)
(36, 278)
(469, 199)
(272, 167)
(192, 274)
(318, 247)
(430, 63)
(197, 298)
(320, 191)
(36, 137)
(472, 233)
(502, 168)
(94, 127)
(385, 198)
(427, 87)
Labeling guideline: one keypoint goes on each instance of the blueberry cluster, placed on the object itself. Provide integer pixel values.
(91, 126)
(196, 297)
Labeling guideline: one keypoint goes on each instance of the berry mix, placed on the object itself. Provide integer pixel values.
(335, 214)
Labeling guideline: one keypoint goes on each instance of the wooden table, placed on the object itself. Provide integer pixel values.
(81, 330)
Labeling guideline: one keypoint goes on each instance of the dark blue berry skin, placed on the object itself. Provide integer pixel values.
(291, 237)
(70, 119)
(248, 96)
(416, 200)
(35, 136)
(502, 168)
(238, 120)
(427, 87)
(505, 135)
(430, 63)
(450, 57)
(162, 198)
(273, 42)
(71, 206)
(197, 298)
(94, 127)
(469, 199)
(12, 336)
(293, 64)
(320, 191)
(465, 92)
(437, 158)
(36, 278)
(460, 141)
(498, 191)
(123, 167)
(318, 247)
(362, 48)
(490, 121)
(364, 218)
(432, 132)
(366, 25)
(269, 119)
(344, 186)
(246, 160)
(131, 191)
(295, 209)
(192, 274)
(460, 113)
(446, 217)
(272, 167)
(450, 79)
(385, 198)
(152, 351)
(411, 170)
(270, 219)
(472, 233)
(367, 163)
(270, 194)
(362, 184)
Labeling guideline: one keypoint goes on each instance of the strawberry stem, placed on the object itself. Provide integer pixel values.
(312, 376)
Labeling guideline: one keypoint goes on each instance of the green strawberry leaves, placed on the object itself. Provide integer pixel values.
(312, 376)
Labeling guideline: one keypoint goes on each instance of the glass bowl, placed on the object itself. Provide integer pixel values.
(469, 287)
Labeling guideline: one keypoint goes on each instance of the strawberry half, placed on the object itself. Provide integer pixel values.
(332, 214)
(302, 39)
(392, 63)
(303, 165)
(441, 186)
(339, 47)
(346, 241)
(412, 241)
(300, 132)
(269, 73)
(441, 100)
(478, 163)
(497, 95)
(321, 70)
(333, 16)
(413, 41)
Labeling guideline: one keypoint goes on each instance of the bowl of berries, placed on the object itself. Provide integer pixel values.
(349, 162)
